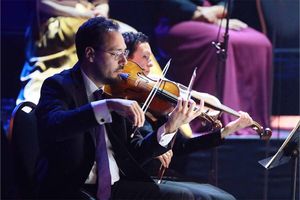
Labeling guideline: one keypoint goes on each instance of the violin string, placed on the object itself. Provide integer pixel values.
(168, 96)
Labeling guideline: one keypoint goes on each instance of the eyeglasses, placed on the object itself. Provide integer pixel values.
(118, 53)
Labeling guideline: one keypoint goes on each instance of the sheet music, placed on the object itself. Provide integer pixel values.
(279, 158)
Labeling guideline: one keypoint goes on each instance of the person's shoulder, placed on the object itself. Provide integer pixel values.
(63, 75)
(62, 79)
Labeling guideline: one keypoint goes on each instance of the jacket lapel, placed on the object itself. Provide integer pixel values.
(80, 93)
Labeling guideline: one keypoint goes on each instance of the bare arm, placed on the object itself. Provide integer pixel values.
(101, 8)
(65, 9)
(214, 15)
(243, 121)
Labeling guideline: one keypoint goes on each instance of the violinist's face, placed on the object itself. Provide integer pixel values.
(109, 59)
(142, 56)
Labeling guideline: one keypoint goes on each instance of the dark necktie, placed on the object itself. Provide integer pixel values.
(103, 176)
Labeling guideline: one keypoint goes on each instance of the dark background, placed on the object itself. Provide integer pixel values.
(282, 25)
(233, 167)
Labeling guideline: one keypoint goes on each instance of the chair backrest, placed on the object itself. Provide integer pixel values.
(25, 149)
(282, 20)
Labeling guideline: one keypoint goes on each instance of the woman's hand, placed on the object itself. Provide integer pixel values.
(234, 24)
(184, 112)
(209, 14)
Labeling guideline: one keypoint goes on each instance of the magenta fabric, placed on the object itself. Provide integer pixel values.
(246, 79)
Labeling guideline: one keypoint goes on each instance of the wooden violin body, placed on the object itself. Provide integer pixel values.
(136, 86)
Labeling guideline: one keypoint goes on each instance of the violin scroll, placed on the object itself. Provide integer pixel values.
(264, 134)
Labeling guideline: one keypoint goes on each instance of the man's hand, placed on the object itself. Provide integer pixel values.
(166, 158)
(128, 109)
(184, 112)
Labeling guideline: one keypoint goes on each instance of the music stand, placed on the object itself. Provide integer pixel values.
(288, 150)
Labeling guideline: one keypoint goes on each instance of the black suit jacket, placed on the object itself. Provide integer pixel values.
(66, 124)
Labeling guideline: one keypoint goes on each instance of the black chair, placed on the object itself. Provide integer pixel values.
(25, 148)
(282, 23)
(282, 27)
(23, 138)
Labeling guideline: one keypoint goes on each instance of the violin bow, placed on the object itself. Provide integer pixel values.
(155, 87)
(191, 84)
(153, 92)
(162, 169)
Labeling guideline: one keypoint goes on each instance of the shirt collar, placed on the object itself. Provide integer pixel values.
(90, 86)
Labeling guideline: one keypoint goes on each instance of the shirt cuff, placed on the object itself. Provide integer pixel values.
(163, 138)
(101, 111)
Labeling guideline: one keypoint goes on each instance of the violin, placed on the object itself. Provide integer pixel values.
(135, 85)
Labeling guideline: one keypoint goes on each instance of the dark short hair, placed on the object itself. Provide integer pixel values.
(132, 39)
(91, 33)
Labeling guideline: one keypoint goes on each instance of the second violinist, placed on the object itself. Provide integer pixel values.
(140, 53)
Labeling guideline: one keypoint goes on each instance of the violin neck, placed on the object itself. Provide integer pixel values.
(173, 99)
(167, 95)
(222, 108)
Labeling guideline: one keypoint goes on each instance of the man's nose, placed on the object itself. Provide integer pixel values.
(123, 60)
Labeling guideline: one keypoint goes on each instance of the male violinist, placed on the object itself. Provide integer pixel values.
(140, 53)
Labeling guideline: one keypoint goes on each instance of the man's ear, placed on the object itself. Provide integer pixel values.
(90, 54)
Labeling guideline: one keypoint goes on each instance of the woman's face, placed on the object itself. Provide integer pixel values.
(142, 56)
